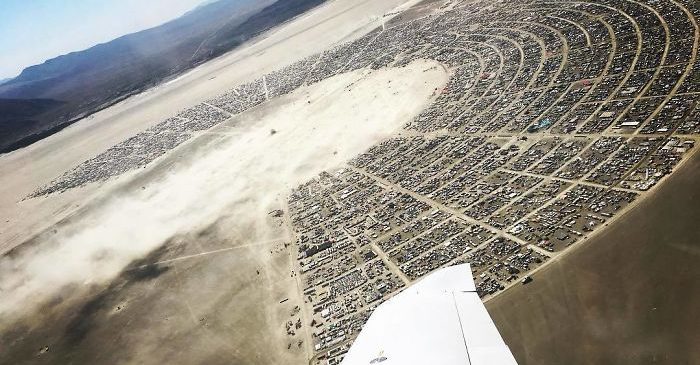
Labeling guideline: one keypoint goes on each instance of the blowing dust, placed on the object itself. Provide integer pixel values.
(242, 170)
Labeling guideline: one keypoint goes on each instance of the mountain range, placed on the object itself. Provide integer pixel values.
(46, 98)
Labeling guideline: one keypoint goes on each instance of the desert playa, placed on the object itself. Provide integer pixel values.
(186, 251)
(25, 170)
(623, 285)
(258, 208)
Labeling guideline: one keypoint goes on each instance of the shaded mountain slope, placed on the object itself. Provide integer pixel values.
(86, 81)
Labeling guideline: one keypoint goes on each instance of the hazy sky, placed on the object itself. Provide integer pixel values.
(32, 31)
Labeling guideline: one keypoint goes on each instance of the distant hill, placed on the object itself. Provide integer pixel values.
(19, 115)
(69, 87)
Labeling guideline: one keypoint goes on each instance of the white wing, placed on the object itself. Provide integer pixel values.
(438, 320)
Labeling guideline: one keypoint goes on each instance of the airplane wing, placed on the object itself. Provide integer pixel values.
(438, 320)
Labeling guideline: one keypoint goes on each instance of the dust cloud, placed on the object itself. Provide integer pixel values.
(241, 169)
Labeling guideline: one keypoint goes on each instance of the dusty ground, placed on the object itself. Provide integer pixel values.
(199, 310)
(216, 272)
(80, 292)
(24, 170)
(196, 283)
(628, 296)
